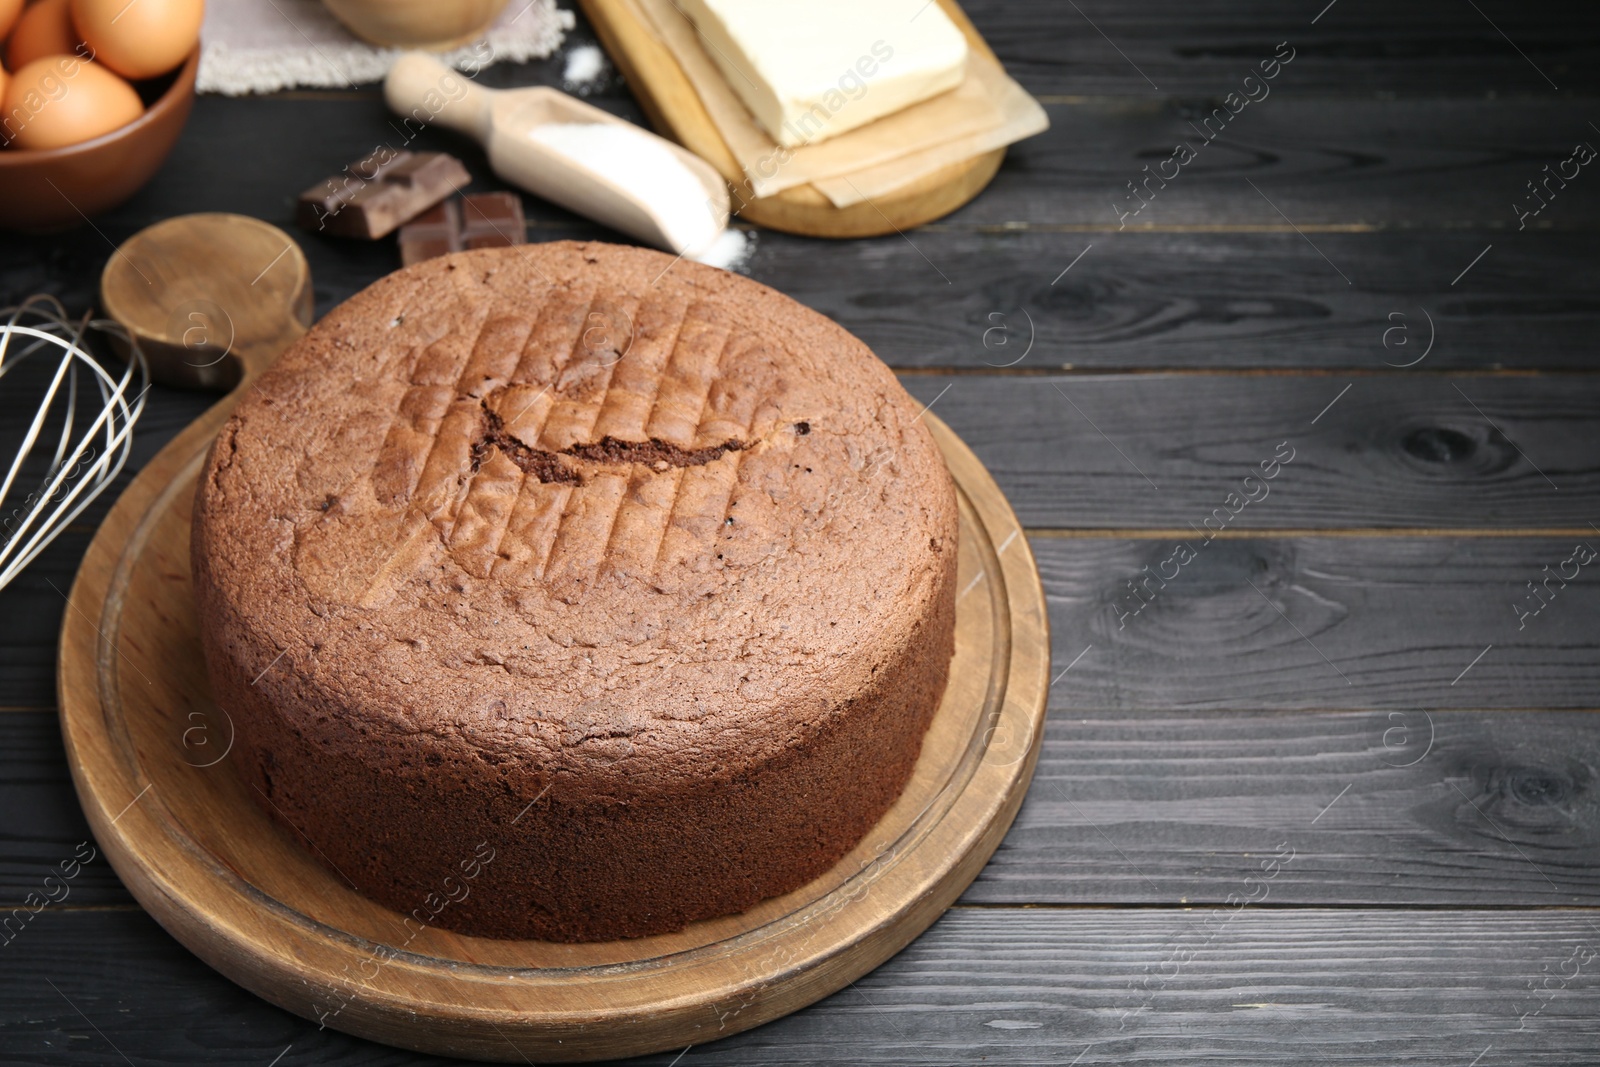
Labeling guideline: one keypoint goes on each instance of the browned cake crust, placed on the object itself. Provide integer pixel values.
(637, 581)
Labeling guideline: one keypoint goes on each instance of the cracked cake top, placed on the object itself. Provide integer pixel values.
(578, 500)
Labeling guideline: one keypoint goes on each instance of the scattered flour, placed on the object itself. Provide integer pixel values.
(643, 166)
(731, 251)
(586, 67)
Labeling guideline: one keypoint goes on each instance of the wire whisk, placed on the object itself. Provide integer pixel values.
(78, 438)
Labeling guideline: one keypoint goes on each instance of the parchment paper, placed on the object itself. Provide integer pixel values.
(1024, 118)
(987, 109)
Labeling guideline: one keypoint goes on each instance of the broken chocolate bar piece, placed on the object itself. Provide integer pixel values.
(369, 198)
(492, 220)
(434, 233)
(482, 220)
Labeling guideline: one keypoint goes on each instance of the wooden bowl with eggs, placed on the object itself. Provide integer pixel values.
(91, 103)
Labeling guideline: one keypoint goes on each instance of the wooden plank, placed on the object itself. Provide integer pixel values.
(1394, 450)
(1251, 986)
(1358, 47)
(41, 824)
(1314, 164)
(1356, 163)
(1258, 286)
(1187, 300)
(1134, 300)
(1332, 622)
(1380, 808)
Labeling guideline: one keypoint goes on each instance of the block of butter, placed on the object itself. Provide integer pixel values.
(812, 69)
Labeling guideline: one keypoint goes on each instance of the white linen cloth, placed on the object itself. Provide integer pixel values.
(261, 46)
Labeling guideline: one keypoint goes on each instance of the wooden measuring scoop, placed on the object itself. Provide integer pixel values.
(425, 91)
(212, 299)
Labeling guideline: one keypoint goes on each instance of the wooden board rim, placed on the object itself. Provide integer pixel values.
(259, 943)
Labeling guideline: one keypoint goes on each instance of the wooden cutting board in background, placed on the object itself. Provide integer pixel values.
(675, 110)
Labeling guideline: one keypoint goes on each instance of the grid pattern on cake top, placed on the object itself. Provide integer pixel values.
(599, 431)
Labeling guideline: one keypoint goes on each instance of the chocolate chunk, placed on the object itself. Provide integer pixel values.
(492, 220)
(433, 233)
(482, 220)
(372, 196)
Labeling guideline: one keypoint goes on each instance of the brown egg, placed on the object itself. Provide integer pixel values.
(139, 40)
(45, 29)
(9, 10)
(62, 100)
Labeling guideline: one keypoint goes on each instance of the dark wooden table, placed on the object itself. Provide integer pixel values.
(1332, 792)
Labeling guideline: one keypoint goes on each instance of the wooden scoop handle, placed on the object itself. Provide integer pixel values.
(426, 92)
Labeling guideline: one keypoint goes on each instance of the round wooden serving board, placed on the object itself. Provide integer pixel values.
(148, 753)
(661, 87)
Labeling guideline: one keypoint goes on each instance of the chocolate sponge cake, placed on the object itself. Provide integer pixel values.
(558, 594)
